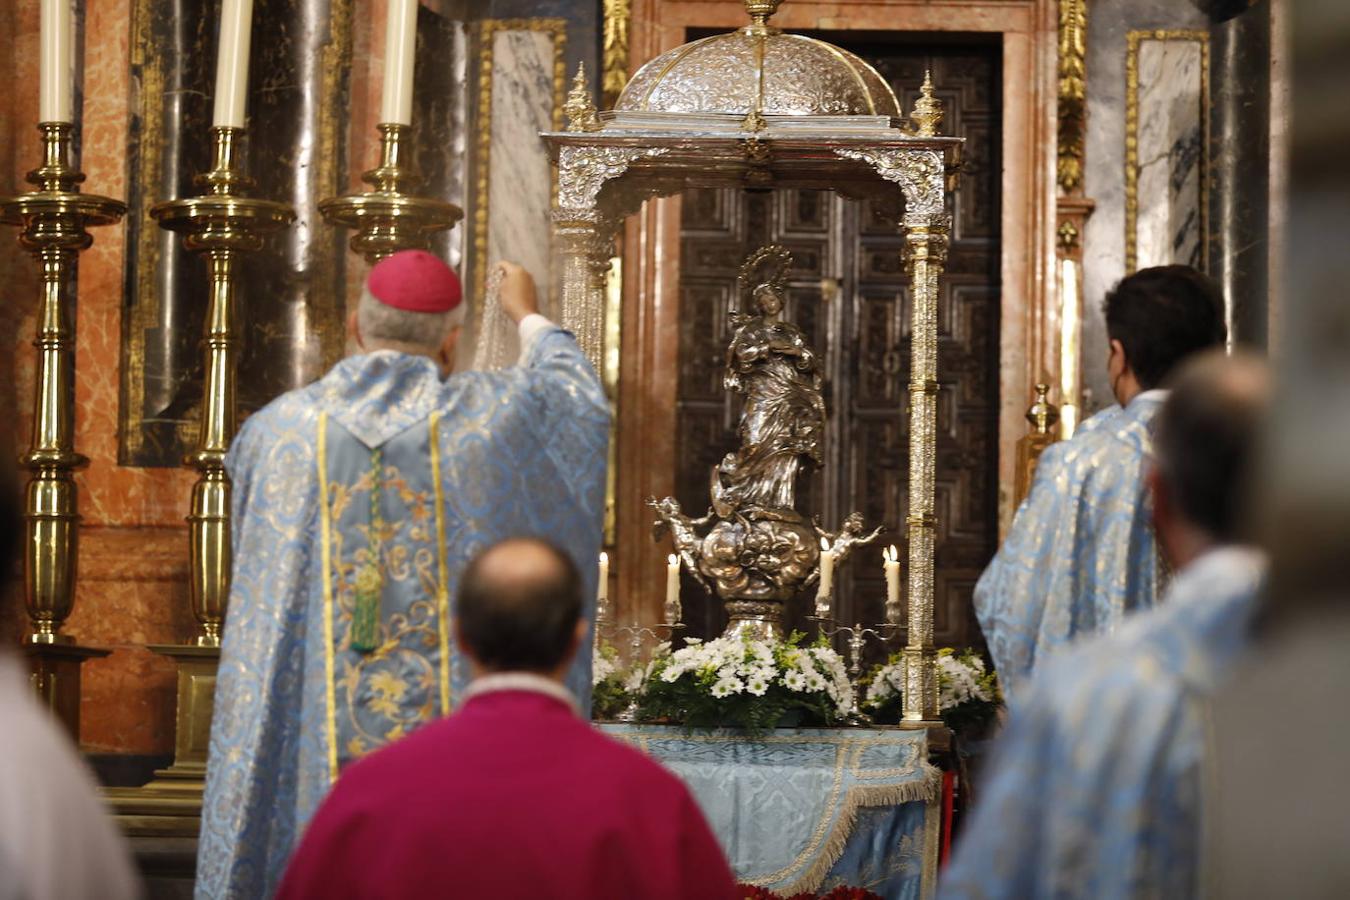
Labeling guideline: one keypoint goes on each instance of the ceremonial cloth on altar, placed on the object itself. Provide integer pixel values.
(1080, 554)
(811, 809)
(380, 465)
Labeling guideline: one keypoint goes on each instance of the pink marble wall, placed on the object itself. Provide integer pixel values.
(133, 553)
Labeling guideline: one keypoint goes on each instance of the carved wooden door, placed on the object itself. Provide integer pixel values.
(849, 294)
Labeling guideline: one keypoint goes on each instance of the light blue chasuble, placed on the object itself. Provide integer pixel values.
(371, 490)
(1094, 789)
(1080, 554)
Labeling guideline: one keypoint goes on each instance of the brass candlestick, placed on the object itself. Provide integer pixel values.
(222, 223)
(389, 217)
(53, 219)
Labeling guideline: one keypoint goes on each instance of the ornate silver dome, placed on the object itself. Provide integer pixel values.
(759, 69)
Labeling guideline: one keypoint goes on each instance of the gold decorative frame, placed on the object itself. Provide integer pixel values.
(614, 71)
(1072, 93)
(1133, 40)
(488, 29)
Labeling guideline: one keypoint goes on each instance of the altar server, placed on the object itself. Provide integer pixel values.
(1095, 789)
(1081, 554)
(357, 502)
(515, 795)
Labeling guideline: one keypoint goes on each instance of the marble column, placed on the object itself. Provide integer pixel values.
(524, 96)
(1240, 199)
(1168, 170)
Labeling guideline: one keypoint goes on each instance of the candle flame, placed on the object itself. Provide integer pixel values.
(892, 555)
(604, 558)
(824, 544)
(674, 560)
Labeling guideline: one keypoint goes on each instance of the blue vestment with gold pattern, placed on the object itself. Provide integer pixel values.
(1094, 789)
(1080, 554)
(381, 466)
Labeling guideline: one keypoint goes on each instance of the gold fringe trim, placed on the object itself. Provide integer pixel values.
(926, 789)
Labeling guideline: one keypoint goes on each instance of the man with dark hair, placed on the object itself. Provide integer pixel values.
(515, 795)
(1095, 788)
(56, 840)
(1080, 554)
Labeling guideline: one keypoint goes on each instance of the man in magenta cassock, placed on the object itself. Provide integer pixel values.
(515, 795)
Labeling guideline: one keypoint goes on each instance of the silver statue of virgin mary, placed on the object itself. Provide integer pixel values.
(753, 545)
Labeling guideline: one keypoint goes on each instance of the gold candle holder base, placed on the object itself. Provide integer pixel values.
(389, 217)
(53, 220)
(222, 223)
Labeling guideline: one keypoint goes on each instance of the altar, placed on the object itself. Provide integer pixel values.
(812, 809)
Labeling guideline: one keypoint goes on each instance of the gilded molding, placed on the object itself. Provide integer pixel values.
(1072, 93)
(1133, 40)
(615, 53)
(488, 29)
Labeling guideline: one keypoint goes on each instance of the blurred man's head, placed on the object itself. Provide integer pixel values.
(520, 609)
(1204, 448)
(412, 303)
(1156, 318)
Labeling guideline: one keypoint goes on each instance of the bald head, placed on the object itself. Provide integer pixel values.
(519, 607)
(1206, 440)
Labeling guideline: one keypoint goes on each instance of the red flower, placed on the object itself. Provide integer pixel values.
(755, 892)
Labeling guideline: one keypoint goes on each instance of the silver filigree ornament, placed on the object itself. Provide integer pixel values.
(583, 172)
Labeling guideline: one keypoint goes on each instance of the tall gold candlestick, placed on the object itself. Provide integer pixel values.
(53, 219)
(223, 224)
(389, 217)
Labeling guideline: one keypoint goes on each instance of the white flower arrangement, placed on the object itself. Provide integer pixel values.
(967, 690)
(604, 664)
(745, 682)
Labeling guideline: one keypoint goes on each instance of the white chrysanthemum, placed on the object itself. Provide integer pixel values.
(815, 683)
(602, 667)
(757, 686)
(794, 680)
(727, 686)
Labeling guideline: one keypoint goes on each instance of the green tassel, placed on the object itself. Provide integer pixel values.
(366, 614)
(369, 581)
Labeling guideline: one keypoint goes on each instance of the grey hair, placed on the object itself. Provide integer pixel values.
(380, 323)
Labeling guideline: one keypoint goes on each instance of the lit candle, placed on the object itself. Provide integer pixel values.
(672, 589)
(400, 49)
(56, 70)
(826, 580)
(236, 31)
(603, 592)
(891, 559)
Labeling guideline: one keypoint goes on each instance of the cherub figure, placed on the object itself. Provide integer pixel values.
(682, 531)
(842, 543)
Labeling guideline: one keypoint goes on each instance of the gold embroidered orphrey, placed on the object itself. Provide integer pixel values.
(758, 107)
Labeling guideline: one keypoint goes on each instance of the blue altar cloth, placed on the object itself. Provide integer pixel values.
(811, 809)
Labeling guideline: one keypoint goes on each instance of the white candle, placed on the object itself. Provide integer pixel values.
(602, 593)
(56, 70)
(672, 589)
(236, 32)
(826, 580)
(891, 559)
(400, 49)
